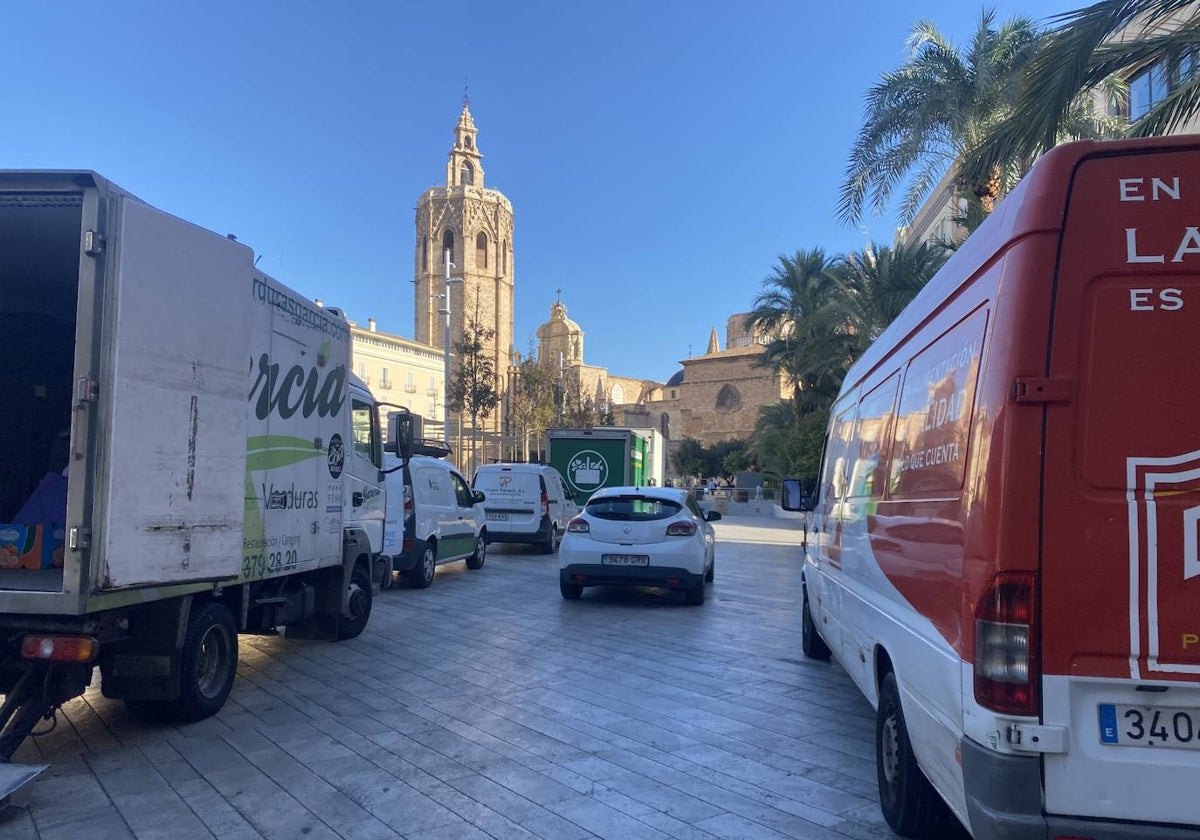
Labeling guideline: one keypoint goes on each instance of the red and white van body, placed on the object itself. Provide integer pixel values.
(1015, 463)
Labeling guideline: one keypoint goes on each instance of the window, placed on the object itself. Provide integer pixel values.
(432, 391)
(481, 250)
(462, 492)
(929, 445)
(729, 399)
(364, 424)
(384, 381)
(466, 174)
(425, 253)
(1146, 89)
(448, 243)
(866, 458)
(362, 370)
(409, 387)
(504, 257)
(432, 410)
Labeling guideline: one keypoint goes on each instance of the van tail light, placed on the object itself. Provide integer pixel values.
(579, 525)
(408, 502)
(545, 503)
(681, 529)
(1006, 645)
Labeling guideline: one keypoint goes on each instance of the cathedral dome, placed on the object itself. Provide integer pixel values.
(676, 379)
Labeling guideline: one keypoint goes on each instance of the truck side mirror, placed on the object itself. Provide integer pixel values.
(794, 498)
(399, 434)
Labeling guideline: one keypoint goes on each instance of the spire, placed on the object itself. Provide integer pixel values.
(465, 167)
(713, 345)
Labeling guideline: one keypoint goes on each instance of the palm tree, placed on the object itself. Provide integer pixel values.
(879, 282)
(802, 310)
(923, 117)
(1088, 57)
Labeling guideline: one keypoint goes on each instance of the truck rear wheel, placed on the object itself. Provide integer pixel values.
(361, 598)
(207, 666)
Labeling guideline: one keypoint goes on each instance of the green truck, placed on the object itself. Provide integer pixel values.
(602, 457)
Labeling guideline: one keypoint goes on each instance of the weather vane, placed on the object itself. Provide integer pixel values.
(466, 88)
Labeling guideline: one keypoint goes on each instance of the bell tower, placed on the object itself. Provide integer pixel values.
(475, 225)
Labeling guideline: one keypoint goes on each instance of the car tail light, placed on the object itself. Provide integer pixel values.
(1006, 645)
(681, 529)
(579, 525)
(60, 648)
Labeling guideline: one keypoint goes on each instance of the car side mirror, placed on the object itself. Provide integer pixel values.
(712, 516)
(477, 496)
(794, 498)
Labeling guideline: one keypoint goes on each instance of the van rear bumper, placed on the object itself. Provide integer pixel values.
(1004, 802)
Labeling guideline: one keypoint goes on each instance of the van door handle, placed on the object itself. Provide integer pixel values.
(356, 498)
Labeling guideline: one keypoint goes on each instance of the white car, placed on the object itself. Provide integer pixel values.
(639, 536)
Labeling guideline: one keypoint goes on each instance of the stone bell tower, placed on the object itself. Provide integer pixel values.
(475, 226)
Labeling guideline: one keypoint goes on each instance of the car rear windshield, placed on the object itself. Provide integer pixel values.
(632, 508)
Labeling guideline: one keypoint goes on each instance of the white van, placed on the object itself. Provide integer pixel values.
(440, 521)
(526, 503)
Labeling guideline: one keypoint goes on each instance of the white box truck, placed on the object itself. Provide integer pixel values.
(186, 457)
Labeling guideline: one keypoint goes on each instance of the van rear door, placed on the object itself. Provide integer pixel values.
(1120, 521)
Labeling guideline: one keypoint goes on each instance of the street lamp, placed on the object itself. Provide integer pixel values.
(445, 310)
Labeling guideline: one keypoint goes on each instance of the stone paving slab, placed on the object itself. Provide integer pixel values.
(488, 707)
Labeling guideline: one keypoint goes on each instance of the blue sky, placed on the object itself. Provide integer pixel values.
(659, 156)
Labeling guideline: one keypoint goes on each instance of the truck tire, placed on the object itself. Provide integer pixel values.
(811, 643)
(475, 561)
(420, 576)
(361, 598)
(207, 666)
(909, 803)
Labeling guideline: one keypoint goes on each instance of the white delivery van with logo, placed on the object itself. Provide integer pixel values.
(526, 503)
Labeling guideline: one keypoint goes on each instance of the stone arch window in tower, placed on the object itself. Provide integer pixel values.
(466, 174)
(729, 399)
(504, 257)
(618, 395)
(448, 243)
(425, 253)
(481, 249)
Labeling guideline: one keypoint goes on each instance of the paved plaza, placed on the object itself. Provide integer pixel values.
(488, 707)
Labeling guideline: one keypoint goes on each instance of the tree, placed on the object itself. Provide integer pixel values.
(577, 407)
(923, 118)
(1091, 54)
(802, 309)
(789, 447)
(879, 281)
(531, 401)
(688, 458)
(472, 389)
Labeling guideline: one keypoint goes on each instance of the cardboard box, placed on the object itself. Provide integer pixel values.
(29, 546)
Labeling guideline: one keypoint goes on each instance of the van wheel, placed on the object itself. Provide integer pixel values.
(421, 575)
(570, 591)
(811, 643)
(359, 608)
(909, 803)
(475, 561)
(551, 545)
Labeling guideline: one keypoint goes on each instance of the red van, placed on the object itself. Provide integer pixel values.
(1002, 552)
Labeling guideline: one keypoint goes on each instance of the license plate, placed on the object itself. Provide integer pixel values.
(497, 517)
(1149, 726)
(624, 560)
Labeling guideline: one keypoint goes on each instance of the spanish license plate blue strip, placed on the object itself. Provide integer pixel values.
(1108, 723)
